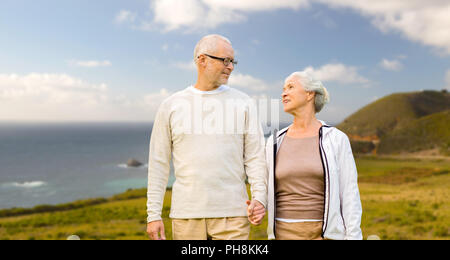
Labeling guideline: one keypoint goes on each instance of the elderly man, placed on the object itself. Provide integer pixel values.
(214, 146)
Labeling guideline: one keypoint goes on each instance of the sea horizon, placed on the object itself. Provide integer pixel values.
(60, 162)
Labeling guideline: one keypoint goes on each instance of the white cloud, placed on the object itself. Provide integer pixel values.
(393, 65)
(61, 97)
(247, 82)
(256, 5)
(125, 16)
(51, 88)
(90, 63)
(176, 13)
(197, 15)
(337, 72)
(426, 22)
(155, 99)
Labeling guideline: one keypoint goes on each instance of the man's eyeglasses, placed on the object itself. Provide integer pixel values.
(226, 61)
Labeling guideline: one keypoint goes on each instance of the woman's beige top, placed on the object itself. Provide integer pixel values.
(299, 179)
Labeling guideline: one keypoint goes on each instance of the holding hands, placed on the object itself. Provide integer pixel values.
(255, 212)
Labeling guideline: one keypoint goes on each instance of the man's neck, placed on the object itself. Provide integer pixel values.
(205, 86)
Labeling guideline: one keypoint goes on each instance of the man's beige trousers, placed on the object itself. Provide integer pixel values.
(230, 228)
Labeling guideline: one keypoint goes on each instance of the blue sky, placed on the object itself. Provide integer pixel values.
(116, 60)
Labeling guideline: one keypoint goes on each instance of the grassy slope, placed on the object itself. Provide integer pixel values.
(402, 199)
(424, 133)
(379, 117)
(394, 112)
(407, 199)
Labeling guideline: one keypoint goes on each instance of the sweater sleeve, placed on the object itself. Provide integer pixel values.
(254, 157)
(160, 152)
(349, 192)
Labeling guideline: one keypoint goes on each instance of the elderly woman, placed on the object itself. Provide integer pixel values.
(313, 189)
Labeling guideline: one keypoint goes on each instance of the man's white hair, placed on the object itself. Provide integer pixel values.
(208, 44)
(310, 84)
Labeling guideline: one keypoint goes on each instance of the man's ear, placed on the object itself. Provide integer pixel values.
(201, 60)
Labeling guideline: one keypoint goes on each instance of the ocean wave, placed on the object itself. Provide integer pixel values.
(125, 166)
(27, 184)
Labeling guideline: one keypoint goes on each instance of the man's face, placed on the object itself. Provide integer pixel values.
(215, 70)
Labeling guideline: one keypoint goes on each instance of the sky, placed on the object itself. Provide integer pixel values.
(112, 60)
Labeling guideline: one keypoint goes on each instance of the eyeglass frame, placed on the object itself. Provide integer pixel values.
(224, 60)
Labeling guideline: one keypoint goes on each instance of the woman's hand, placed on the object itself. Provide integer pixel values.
(255, 212)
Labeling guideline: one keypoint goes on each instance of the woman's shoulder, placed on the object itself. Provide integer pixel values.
(336, 134)
(283, 131)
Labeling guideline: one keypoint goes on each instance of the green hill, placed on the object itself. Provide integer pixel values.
(394, 111)
(401, 122)
(428, 132)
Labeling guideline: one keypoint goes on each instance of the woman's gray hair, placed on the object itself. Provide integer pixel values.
(310, 84)
(208, 44)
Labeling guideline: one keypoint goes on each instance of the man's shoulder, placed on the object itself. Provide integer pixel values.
(238, 93)
(178, 94)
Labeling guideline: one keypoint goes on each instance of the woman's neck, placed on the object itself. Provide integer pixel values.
(305, 124)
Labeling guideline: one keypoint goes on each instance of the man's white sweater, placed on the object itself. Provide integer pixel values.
(215, 140)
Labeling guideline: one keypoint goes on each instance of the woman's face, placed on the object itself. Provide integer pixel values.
(294, 96)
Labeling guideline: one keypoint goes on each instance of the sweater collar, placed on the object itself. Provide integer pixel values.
(220, 89)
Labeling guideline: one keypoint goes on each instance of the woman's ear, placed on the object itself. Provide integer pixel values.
(311, 95)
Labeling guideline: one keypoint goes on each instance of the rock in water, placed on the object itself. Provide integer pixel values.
(133, 163)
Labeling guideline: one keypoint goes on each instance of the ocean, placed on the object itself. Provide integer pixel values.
(53, 163)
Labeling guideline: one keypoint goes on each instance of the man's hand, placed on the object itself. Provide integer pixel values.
(155, 228)
(255, 212)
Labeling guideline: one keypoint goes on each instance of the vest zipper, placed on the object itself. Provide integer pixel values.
(275, 148)
(326, 173)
